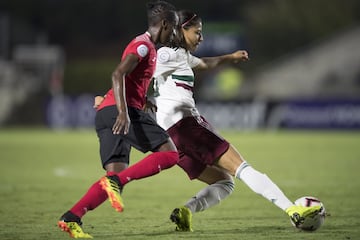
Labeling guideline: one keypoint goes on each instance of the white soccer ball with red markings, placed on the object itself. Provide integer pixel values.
(311, 223)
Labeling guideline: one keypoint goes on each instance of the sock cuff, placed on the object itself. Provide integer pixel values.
(241, 168)
(111, 173)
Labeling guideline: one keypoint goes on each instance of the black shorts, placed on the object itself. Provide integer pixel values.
(144, 134)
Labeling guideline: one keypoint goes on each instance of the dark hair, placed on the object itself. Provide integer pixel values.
(187, 19)
(160, 10)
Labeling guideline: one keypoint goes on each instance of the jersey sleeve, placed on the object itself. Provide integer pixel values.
(140, 49)
(193, 61)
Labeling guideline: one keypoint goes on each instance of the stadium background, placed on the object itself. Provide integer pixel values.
(55, 55)
(303, 70)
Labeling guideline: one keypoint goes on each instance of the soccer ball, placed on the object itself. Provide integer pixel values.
(311, 223)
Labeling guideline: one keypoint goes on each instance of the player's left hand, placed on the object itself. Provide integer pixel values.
(240, 55)
(97, 101)
(150, 106)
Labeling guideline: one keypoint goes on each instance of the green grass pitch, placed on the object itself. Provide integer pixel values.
(44, 172)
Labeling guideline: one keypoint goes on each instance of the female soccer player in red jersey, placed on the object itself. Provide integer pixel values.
(121, 122)
(204, 155)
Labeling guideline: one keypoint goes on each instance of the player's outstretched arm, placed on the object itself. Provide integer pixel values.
(212, 62)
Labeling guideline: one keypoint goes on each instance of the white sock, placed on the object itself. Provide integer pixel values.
(262, 184)
(210, 195)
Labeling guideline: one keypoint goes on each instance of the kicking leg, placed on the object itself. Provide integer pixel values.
(260, 183)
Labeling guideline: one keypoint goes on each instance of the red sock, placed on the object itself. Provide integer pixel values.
(92, 198)
(150, 165)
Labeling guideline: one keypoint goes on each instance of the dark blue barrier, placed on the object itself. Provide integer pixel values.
(316, 114)
(71, 112)
(78, 112)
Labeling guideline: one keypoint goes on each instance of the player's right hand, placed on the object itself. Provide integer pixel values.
(122, 123)
(240, 55)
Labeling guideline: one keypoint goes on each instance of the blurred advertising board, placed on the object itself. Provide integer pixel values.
(315, 114)
(289, 114)
(63, 111)
(77, 112)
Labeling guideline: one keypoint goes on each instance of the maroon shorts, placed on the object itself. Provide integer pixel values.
(197, 143)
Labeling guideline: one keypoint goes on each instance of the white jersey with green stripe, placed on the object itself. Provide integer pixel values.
(173, 84)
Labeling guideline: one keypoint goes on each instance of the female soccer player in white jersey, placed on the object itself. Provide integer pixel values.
(204, 155)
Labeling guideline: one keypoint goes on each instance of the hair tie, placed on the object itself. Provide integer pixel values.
(185, 23)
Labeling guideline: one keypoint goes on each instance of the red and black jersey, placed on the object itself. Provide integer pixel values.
(136, 82)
